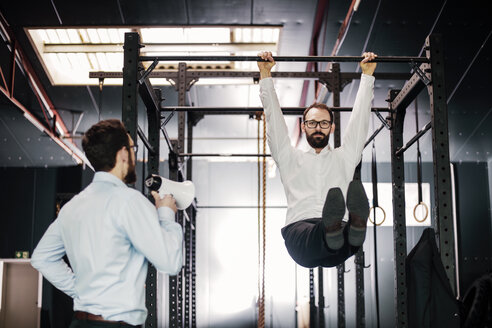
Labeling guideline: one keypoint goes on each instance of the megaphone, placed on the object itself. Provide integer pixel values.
(183, 192)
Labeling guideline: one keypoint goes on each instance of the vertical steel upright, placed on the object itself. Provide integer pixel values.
(183, 277)
(129, 102)
(360, 310)
(174, 295)
(189, 235)
(190, 299)
(335, 87)
(440, 153)
(399, 222)
(153, 122)
(129, 114)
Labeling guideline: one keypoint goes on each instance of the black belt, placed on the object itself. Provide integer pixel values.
(81, 315)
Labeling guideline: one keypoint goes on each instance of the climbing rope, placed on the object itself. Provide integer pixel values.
(261, 223)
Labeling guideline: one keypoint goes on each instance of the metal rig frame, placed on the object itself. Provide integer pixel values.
(427, 72)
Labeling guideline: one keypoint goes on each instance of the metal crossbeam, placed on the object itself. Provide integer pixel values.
(221, 155)
(193, 73)
(254, 110)
(411, 89)
(333, 59)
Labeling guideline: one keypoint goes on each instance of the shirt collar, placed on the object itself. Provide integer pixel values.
(324, 150)
(102, 176)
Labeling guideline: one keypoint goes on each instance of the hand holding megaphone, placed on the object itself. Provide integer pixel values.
(183, 192)
(166, 201)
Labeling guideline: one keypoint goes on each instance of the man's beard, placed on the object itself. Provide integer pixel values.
(131, 175)
(316, 142)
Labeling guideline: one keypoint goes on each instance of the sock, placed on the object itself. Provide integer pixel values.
(335, 239)
(356, 236)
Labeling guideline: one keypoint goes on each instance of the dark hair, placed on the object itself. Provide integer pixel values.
(320, 106)
(102, 141)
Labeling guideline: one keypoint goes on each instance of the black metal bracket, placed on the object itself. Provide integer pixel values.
(148, 71)
(168, 118)
(416, 69)
(383, 120)
(414, 139)
(190, 81)
(329, 85)
(146, 142)
(362, 263)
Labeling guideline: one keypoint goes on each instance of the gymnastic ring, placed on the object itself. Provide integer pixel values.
(426, 212)
(373, 222)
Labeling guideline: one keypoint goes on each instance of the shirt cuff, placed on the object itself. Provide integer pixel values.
(368, 78)
(266, 83)
(166, 214)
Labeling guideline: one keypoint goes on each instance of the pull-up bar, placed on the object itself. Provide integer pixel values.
(253, 110)
(222, 155)
(338, 59)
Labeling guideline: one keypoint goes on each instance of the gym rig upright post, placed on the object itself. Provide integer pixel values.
(430, 74)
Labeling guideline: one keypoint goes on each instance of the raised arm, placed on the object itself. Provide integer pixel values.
(277, 132)
(355, 134)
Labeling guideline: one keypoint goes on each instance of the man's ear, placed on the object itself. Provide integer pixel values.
(333, 126)
(303, 127)
(122, 155)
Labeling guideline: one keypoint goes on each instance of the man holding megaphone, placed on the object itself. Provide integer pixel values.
(109, 232)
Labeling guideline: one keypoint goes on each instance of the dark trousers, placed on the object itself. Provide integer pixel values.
(78, 323)
(305, 242)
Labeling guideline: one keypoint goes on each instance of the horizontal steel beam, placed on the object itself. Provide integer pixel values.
(158, 47)
(191, 73)
(335, 59)
(253, 110)
(411, 89)
(239, 206)
(222, 155)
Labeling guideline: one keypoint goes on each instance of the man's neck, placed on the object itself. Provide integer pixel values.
(117, 172)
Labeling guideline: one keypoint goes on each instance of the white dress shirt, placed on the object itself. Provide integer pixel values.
(108, 232)
(307, 176)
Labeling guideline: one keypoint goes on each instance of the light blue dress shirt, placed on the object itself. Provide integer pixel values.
(108, 232)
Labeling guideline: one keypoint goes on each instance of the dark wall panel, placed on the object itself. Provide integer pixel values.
(27, 202)
(474, 239)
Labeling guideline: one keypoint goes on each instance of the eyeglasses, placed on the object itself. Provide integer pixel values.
(134, 147)
(312, 124)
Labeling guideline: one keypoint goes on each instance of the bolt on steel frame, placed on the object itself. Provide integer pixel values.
(429, 73)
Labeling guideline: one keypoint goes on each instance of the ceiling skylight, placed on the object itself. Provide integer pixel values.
(69, 54)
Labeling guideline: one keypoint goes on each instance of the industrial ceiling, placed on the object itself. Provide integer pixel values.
(389, 28)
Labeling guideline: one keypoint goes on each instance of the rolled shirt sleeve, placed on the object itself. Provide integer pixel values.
(155, 234)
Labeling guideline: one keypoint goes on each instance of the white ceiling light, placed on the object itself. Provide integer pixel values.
(69, 54)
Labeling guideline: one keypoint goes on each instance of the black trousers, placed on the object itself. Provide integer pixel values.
(305, 242)
(78, 323)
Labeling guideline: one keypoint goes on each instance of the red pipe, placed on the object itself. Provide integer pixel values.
(37, 86)
(313, 49)
(341, 35)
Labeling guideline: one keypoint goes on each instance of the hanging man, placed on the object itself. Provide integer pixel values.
(317, 182)
(109, 232)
